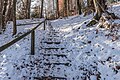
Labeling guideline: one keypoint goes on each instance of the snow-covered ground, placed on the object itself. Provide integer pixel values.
(19, 50)
(94, 52)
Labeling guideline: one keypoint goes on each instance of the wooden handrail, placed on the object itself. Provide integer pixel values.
(27, 24)
(5, 46)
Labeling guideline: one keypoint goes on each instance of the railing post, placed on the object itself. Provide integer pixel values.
(33, 43)
(44, 24)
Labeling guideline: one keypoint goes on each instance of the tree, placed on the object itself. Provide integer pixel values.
(41, 14)
(99, 8)
(23, 9)
(70, 7)
(4, 13)
(65, 8)
(28, 4)
(79, 6)
(57, 6)
(8, 12)
(14, 18)
(1, 6)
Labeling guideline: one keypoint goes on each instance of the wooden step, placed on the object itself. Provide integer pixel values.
(52, 42)
(56, 46)
(66, 64)
(58, 55)
(52, 51)
(53, 36)
(48, 37)
(49, 78)
(54, 32)
(53, 48)
(51, 39)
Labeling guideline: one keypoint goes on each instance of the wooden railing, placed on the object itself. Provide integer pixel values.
(32, 32)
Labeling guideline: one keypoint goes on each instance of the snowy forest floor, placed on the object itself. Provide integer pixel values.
(92, 52)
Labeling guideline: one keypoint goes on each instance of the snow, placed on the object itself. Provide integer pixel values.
(92, 53)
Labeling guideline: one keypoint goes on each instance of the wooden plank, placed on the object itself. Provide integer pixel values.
(66, 64)
(58, 55)
(27, 24)
(44, 25)
(49, 78)
(52, 42)
(53, 48)
(33, 43)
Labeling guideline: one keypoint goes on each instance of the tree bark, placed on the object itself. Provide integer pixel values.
(41, 14)
(79, 7)
(98, 8)
(57, 5)
(1, 6)
(28, 8)
(14, 18)
(65, 8)
(4, 12)
(8, 12)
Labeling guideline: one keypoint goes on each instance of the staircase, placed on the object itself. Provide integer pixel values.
(55, 61)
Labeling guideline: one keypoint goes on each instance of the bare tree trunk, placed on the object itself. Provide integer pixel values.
(3, 13)
(8, 12)
(1, 6)
(65, 8)
(28, 8)
(53, 5)
(14, 18)
(41, 15)
(70, 4)
(79, 6)
(57, 12)
(54, 9)
(98, 8)
(68, 7)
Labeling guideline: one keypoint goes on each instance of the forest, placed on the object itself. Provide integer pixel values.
(59, 39)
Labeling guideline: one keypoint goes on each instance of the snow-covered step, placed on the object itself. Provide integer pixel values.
(58, 55)
(43, 45)
(51, 39)
(56, 70)
(52, 51)
(49, 78)
(55, 53)
(56, 62)
(66, 64)
(54, 32)
(58, 38)
(53, 48)
(50, 35)
(53, 35)
(55, 59)
(49, 42)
